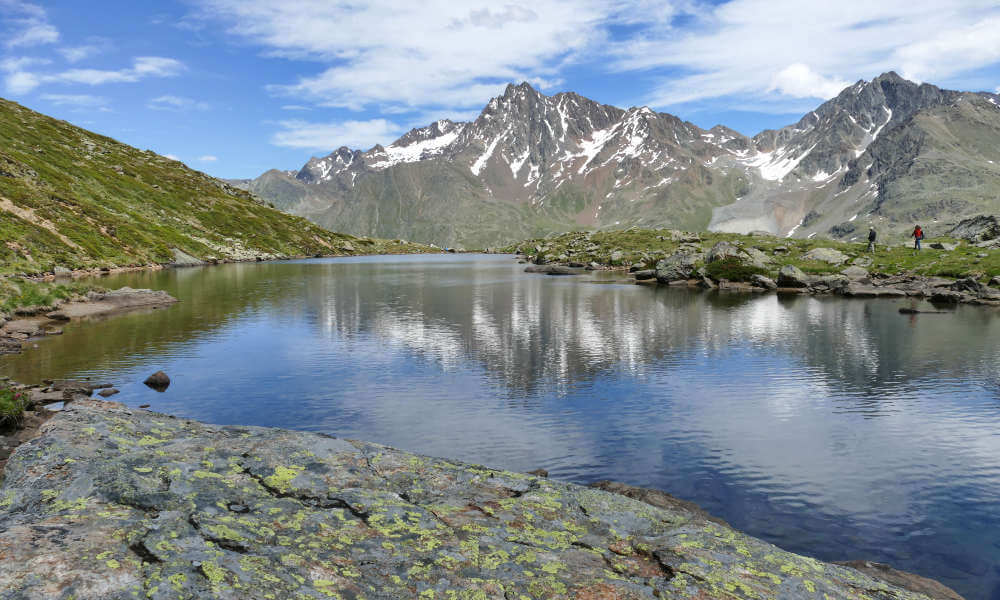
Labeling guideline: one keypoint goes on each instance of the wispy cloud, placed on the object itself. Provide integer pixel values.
(93, 47)
(177, 103)
(324, 136)
(26, 24)
(208, 158)
(789, 49)
(20, 80)
(436, 53)
(397, 56)
(80, 101)
(172, 157)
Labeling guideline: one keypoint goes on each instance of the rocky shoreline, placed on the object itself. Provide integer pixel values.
(741, 266)
(38, 321)
(112, 502)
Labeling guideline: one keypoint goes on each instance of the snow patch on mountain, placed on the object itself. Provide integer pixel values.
(416, 151)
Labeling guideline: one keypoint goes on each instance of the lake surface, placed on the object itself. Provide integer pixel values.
(832, 427)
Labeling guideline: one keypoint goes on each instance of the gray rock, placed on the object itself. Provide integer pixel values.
(678, 266)
(970, 285)
(617, 257)
(109, 501)
(645, 274)
(830, 283)
(980, 228)
(347, 247)
(62, 272)
(942, 246)
(781, 249)
(763, 282)
(724, 250)
(158, 381)
(828, 255)
(860, 290)
(107, 393)
(995, 281)
(792, 277)
(855, 272)
(949, 297)
(758, 258)
(183, 259)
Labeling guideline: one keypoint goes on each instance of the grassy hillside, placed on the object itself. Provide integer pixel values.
(76, 199)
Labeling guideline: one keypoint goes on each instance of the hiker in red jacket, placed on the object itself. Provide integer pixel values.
(917, 235)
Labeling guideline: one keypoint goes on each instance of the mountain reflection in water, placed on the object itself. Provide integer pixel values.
(837, 428)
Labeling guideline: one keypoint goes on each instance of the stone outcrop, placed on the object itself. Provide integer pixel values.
(113, 503)
(981, 228)
(107, 303)
(828, 255)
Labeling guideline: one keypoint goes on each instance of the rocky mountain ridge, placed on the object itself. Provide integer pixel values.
(531, 164)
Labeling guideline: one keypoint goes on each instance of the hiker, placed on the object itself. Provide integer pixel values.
(918, 234)
(871, 239)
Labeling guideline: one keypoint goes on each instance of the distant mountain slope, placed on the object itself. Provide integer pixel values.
(531, 164)
(72, 198)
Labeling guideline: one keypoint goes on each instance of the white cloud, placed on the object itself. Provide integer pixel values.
(787, 48)
(81, 101)
(21, 81)
(324, 136)
(75, 54)
(208, 158)
(437, 53)
(295, 107)
(172, 157)
(177, 103)
(799, 81)
(142, 67)
(28, 25)
(951, 50)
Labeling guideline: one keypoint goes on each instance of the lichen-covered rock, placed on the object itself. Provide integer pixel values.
(679, 265)
(827, 255)
(114, 503)
(723, 250)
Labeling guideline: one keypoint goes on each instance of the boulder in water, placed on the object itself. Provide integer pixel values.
(158, 381)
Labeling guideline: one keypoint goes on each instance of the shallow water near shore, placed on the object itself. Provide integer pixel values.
(832, 427)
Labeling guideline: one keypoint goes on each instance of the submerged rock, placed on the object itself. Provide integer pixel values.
(551, 270)
(112, 503)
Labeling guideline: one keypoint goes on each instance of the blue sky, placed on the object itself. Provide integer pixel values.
(236, 87)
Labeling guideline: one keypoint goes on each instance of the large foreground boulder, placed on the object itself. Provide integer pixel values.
(111, 503)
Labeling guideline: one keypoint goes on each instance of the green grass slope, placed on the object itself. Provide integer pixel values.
(76, 199)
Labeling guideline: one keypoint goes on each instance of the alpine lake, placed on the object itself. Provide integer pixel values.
(836, 428)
